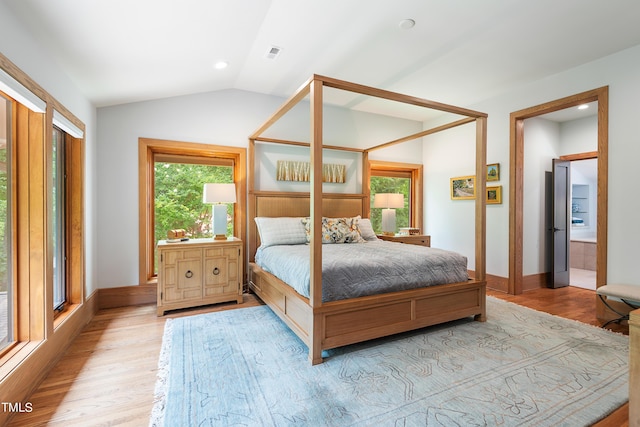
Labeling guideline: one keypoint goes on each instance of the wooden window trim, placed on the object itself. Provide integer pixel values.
(38, 338)
(392, 173)
(74, 229)
(149, 151)
(31, 224)
(171, 158)
(15, 346)
(404, 170)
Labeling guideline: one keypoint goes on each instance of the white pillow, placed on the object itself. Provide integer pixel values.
(366, 229)
(281, 231)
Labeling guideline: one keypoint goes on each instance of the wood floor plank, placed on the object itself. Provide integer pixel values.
(108, 375)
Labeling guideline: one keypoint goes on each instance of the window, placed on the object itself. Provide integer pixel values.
(171, 180)
(28, 203)
(178, 183)
(391, 184)
(404, 178)
(59, 219)
(6, 284)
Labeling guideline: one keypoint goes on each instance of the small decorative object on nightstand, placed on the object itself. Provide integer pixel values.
(199, 272)
(413, 239)
(405, 231)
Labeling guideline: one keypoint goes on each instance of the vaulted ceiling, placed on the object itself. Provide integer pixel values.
(458, 52)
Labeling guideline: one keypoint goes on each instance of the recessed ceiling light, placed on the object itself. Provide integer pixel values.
(583, 106)
(221, 65)
(407, 24)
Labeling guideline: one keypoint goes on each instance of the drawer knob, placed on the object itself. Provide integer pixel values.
(216, 271)
(188, 274)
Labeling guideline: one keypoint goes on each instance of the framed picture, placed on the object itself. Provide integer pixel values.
(289, 170)
(493, 172)
(494, 195)
(463, 187)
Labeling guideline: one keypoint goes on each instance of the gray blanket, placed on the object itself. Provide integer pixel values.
(352, 270)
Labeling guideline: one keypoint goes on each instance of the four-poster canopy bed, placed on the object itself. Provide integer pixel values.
(324, 324)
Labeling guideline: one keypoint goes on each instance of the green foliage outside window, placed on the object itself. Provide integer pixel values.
(384, 184)
(178, 198)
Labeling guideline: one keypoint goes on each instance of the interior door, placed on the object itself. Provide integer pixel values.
(561, 223)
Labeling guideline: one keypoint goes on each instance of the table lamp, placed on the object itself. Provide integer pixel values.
(389, 202)
(219, 195)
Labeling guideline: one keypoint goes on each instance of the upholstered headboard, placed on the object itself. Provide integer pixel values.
(290, 204)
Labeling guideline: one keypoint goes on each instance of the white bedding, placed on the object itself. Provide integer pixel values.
(361, 269)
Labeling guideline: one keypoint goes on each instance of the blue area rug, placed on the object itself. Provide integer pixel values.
(243, 367)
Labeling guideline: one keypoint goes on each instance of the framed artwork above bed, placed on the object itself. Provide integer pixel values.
(291, 170)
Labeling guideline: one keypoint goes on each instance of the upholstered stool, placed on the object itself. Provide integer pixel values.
(629, 294)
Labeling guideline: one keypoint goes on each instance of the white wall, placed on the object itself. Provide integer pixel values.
(23, 50)
(619, 72)
(579, 136)
(223, 118)
(451, 223)
(269, 154)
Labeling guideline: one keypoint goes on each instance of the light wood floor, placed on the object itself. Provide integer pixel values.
(107, 376)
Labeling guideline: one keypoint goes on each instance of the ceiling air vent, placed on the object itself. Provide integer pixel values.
(272, 52)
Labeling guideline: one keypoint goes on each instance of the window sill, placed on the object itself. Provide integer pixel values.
(21, 350)
(10, 360)
(68, 311)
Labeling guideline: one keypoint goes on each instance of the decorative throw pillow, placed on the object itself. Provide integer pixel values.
(366, 229)
(336, 230)
(281, 231)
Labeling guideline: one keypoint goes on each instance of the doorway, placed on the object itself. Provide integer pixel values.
(583, 224)
(516, 179)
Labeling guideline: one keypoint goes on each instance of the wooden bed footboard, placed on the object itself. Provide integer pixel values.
(340, 323)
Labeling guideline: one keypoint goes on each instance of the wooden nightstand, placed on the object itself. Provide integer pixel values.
(199, 272)
(414, 239)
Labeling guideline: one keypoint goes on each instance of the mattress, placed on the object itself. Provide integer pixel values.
(362, 269)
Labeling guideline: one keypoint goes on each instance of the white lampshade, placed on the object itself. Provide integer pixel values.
(218, 194)
(388, 200)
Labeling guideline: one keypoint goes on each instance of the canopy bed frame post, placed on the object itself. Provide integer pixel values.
(481, 211)
(251, 164)
(251, 206)
(315, 287)
(366, 185)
